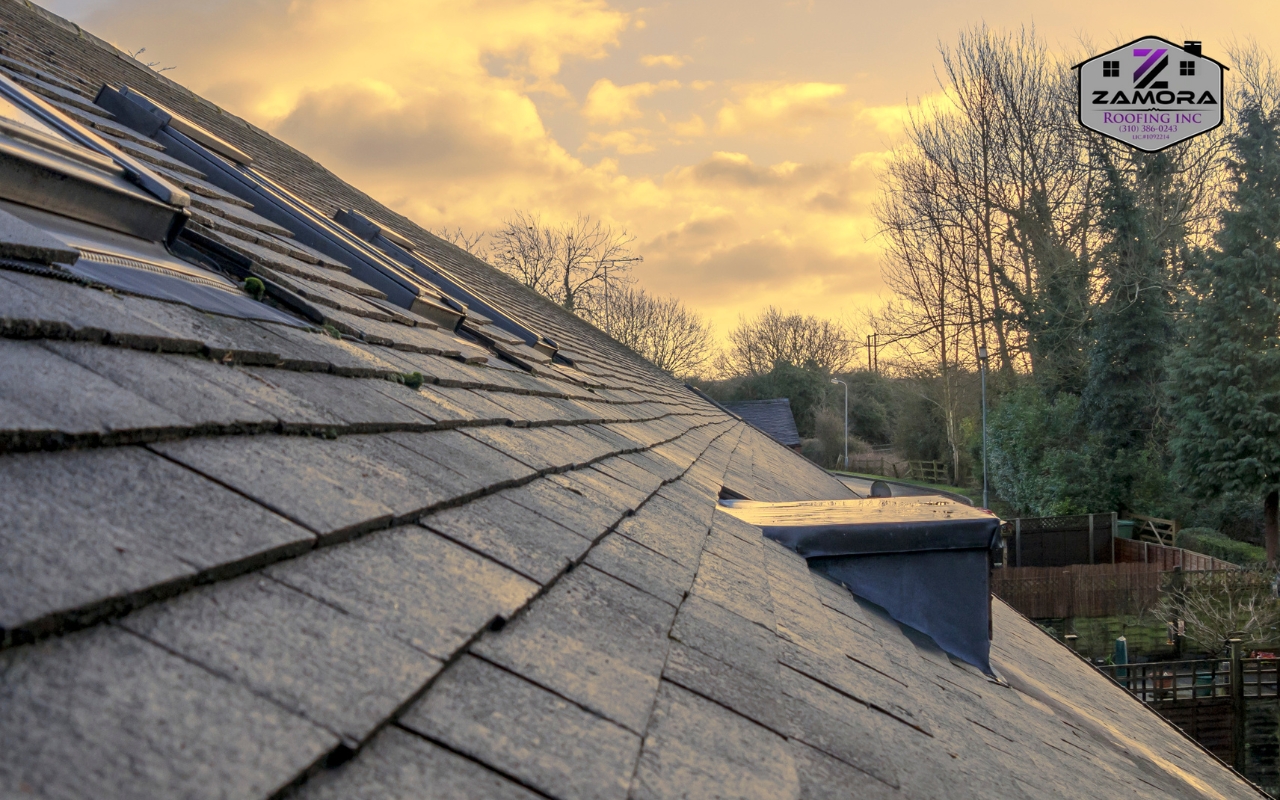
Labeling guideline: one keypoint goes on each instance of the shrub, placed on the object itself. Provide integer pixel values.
(1212, 543)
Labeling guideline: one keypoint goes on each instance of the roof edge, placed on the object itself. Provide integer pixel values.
(1148, 36)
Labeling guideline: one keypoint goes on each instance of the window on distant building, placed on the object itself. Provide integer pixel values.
(1111, 69)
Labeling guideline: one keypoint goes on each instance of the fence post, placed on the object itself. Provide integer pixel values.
(1017, 538)
(1114, 530)
(1090, 538)
(1237, 706)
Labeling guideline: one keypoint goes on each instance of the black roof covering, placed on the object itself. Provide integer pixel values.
(241, 558)
(773, 417)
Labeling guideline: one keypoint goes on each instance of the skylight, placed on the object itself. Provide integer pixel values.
(106, 217)
(377, 256)
(49, 162)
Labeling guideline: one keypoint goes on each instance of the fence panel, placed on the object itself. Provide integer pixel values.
(1079, 590)
(1059, 541)
(1167, 558)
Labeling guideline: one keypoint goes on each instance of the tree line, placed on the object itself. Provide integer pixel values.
(585, 266)
(1127, 300)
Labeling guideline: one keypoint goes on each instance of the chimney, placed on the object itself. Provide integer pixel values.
(1192, 48)
(925, 560)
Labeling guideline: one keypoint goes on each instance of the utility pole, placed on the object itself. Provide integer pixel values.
(982, 365)
(606, 263)
(846, 421)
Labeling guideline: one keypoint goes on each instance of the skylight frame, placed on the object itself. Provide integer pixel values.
(51, 163)
(390, 243)
(385, 260)
(135, 171)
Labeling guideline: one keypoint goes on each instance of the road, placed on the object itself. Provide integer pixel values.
(862, 488)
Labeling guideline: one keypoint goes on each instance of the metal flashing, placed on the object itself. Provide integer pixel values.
(925, 560)
(378, 236)
(147, 117)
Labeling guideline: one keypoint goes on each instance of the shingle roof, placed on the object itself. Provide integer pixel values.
(237, 561)
(772, 417)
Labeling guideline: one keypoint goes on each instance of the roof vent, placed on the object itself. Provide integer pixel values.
(925, 560)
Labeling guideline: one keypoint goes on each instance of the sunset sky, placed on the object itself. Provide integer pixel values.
(739, 141)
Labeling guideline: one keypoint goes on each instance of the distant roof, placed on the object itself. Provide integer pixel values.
(773, 417)
(384, 523)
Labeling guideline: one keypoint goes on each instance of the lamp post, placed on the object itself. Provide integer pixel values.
(846, 421)
(982, 365)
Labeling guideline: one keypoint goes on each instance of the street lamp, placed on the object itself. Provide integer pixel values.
(846, 421)
(982, 365)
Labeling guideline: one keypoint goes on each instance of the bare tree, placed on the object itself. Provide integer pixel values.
(471, 242)
(991, 212)
(756, 345)
(1218, 605)
(576, 264)
(149, 64)
(672, 336)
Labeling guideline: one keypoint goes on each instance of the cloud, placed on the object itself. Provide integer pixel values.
(668, 60)
(693, 126)
(628, 142)
(610, 104)
(441, 111)
(776, 107)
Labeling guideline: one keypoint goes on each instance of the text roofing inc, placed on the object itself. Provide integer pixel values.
(298, 500)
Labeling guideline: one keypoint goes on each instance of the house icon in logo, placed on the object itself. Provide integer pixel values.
(1151, 93)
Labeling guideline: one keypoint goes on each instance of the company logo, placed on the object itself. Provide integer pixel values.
(1135, 94)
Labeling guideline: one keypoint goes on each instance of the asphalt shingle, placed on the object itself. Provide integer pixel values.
(523, 731)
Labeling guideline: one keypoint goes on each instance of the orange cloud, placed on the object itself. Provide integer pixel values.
(611, 104)
(780, 107)
(669, 60)
(447, 113)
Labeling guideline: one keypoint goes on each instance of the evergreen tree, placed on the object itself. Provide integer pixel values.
(1121, 397)
(1226, 378)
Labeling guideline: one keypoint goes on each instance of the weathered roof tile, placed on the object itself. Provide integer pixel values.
(106, 711)
(304, 655)
(696, 748)
(91, 533)
(527, 543)
(399, 765)
(591, 639)
(524, 731)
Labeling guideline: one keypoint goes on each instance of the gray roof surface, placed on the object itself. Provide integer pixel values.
(237, 561)
(773, 417)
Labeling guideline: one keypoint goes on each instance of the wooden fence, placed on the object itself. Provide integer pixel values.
(929, 471)
(1130, 551)
(1090, 539)
(1155, 529)
(1079, 590)
(885, 464)
(1229, 705)
(1059, 541)
(888, 466)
